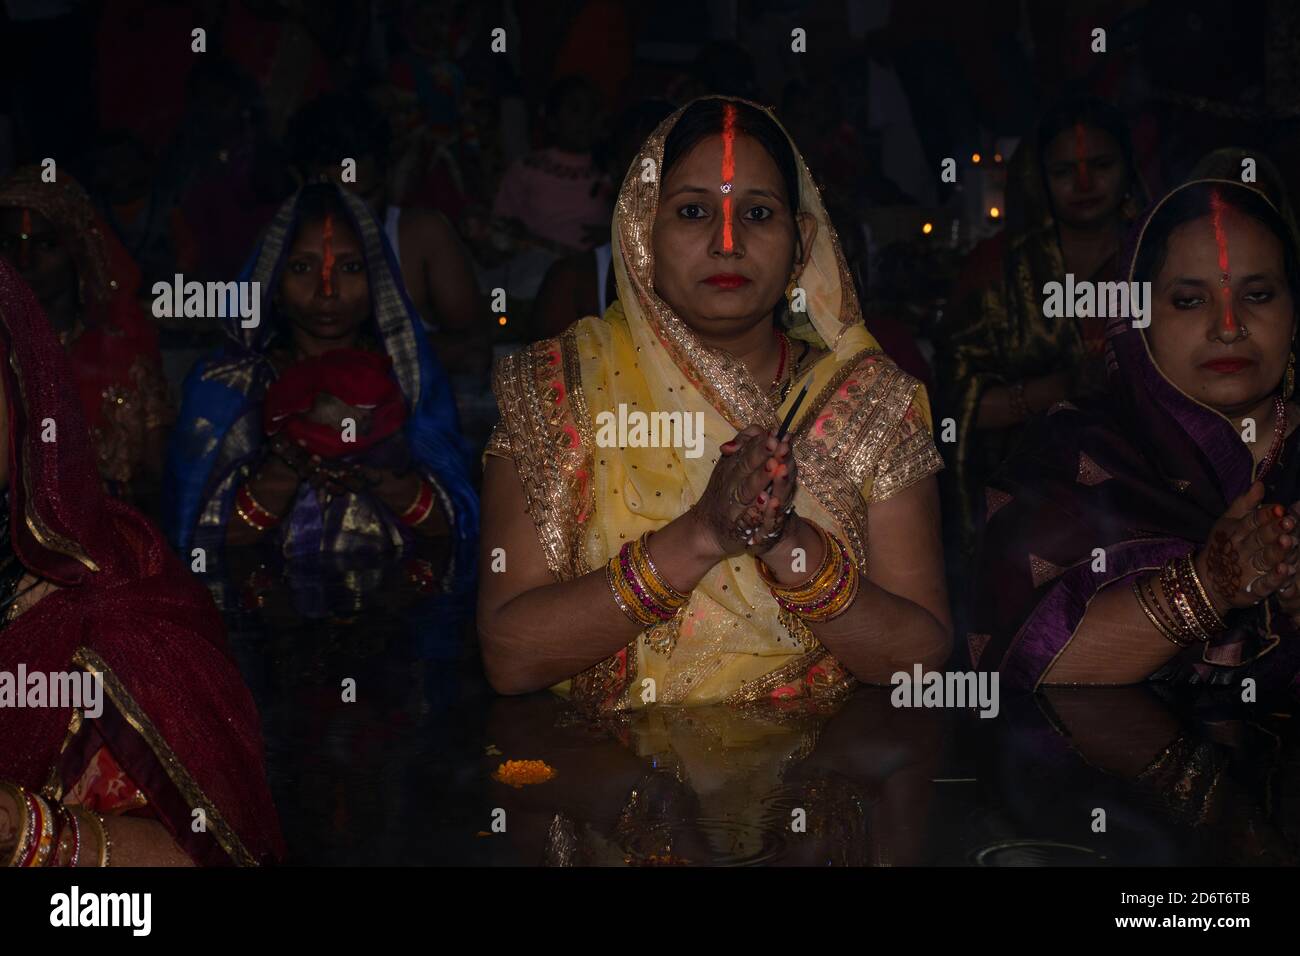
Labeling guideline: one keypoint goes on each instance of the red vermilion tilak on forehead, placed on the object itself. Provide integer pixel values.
(1081, 156)
(1217, 209)
(327, 255)
(728, 170)
(24, 250)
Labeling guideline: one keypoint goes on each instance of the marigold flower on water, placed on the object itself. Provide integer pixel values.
(517, 773)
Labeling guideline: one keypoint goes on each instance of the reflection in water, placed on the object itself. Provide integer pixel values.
(843, 784)
(403, 774)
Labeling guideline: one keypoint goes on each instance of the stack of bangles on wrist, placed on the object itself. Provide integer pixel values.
(51, 835)
(1193, 616)
(639, 589)
(828, 593)
(252, 513)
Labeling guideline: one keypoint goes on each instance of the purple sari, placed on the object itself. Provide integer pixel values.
(1141, 475)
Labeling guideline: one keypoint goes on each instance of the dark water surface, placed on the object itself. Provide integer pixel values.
(403, 775)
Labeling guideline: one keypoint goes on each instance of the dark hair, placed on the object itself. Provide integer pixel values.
(315, 202)
(335, 125)
(1093, 113)
(1193, 202)
(704, 118)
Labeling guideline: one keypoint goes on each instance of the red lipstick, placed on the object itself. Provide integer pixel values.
(727, 280)
(1227, 365)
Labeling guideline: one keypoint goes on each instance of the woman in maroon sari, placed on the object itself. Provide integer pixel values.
(87, 285)
(1152, 533)
(88, 586)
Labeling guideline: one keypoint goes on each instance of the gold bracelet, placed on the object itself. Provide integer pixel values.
(630, 609)
(1206, 612)
(831, 590)
(1181, 633)
(820, 579)
(105, 846)
(25, 823)
(650, 577)
(1176, 596)
(45, 835)
(1170, 626)
(638, 589)
(1151, 616)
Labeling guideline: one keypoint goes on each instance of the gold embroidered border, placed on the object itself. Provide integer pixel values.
(45, 536)
(914, 458)
(180, 776)
(523, 415)
(547, 474)
(794, 669)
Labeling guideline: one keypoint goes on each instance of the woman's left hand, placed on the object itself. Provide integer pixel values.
(769, 513)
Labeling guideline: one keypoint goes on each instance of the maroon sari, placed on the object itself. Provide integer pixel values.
(178, 721)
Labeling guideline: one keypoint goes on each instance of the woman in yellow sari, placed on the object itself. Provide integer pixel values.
(727, 566)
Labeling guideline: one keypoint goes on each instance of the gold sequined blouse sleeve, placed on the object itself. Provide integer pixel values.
(911, 455)
(498, 444)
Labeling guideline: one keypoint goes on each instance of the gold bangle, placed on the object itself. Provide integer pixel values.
(1176, 595)
(815, 587)
(45, 836)
(612, 577)
(1159, 625)
(25, 823)
(1181, 635)
(828, 593)
(650, 576)
(1210, 615)
(816, 582)
(105, 846)
(1152, 602)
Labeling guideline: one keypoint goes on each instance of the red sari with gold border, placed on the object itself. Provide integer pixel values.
(179, 731)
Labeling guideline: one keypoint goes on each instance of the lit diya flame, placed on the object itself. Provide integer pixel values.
(1084, 179)
(24, 250)
(327, 255)
(728, 170)
(1217, 208)
(519, 773)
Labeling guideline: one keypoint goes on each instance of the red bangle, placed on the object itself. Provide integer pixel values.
(254, 514)
(421, 508)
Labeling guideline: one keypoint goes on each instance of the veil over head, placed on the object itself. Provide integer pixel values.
(1141, 474)
(588, 494)
(178, 718)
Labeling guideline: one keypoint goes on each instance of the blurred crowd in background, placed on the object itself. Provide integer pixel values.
(497, 169)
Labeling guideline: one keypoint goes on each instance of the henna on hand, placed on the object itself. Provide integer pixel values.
(1224, 564)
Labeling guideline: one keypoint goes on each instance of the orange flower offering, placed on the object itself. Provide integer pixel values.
(517, 773)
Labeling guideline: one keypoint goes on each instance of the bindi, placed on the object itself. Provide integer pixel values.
(1217, 210)
(728, 171)
(1081, 157)
(327, 255)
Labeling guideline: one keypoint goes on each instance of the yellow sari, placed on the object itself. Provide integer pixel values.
(863, 435)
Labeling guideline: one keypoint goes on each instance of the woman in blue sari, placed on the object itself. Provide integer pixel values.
(328, 427)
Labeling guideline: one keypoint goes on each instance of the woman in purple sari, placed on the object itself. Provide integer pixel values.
(1151, 533)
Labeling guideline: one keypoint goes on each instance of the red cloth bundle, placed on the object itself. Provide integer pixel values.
(360, 379)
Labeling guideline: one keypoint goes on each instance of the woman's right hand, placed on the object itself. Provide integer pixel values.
(749, 463)
(1251, 552)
